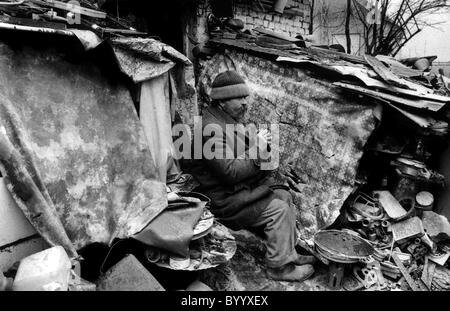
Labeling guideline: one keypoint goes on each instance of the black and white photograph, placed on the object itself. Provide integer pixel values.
(218, 151)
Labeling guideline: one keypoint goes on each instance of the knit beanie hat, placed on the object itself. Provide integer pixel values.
(229, 85)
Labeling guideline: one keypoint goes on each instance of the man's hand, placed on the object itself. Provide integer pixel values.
(293, 180)
(264, 141)
(265, 136)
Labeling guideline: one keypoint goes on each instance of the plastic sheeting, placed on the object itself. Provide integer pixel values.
(74, 154)
(156, 120)
(322, 132)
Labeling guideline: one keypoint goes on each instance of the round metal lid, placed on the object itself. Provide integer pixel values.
(341, 244)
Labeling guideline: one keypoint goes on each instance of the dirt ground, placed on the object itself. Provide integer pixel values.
(246, 271)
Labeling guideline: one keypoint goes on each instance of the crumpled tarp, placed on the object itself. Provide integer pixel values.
(322, 132)
(73, 151)
(144, 58)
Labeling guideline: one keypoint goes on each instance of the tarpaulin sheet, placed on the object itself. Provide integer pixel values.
(143, 58)
(73, 150)
(322, 132)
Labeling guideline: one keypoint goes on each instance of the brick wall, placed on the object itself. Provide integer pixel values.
(289, 23)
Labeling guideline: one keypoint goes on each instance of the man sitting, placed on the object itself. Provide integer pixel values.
(240, 192)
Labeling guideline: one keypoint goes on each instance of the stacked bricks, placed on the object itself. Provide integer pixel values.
(288, 24)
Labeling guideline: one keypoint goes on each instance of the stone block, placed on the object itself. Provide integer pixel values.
(128, 275)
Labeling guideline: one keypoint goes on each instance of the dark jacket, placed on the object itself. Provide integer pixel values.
(230, 183)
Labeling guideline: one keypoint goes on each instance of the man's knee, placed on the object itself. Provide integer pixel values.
(282, 208)
(283, 195)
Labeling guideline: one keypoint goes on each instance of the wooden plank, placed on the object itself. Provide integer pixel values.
(384, 72)
(276, 34)
(418, 103)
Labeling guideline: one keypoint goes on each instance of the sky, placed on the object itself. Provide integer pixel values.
(431, 40)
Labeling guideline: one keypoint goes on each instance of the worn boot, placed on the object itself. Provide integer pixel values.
(303, 260)
(291, 272)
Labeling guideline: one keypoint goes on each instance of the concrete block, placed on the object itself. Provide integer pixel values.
(128, 275)
(48, 270)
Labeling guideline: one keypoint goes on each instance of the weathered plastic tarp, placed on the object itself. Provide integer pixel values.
(322, 132)
(73, 150)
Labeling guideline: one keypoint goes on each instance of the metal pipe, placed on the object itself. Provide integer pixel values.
(12, 3)
(36, 29)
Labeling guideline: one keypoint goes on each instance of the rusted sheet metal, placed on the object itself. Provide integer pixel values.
(251, 46)
(73, 150)
(398, 68)
(322, 132)
(417, 103)
(384, 72)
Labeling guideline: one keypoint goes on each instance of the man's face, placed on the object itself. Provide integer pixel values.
(236, 107)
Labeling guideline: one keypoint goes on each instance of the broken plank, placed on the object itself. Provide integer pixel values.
(384, 72)
(390, 204)
(418, 103)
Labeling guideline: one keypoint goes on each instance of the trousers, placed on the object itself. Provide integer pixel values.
(275, 215)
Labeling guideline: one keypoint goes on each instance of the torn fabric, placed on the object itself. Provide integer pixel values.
(73, 151)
